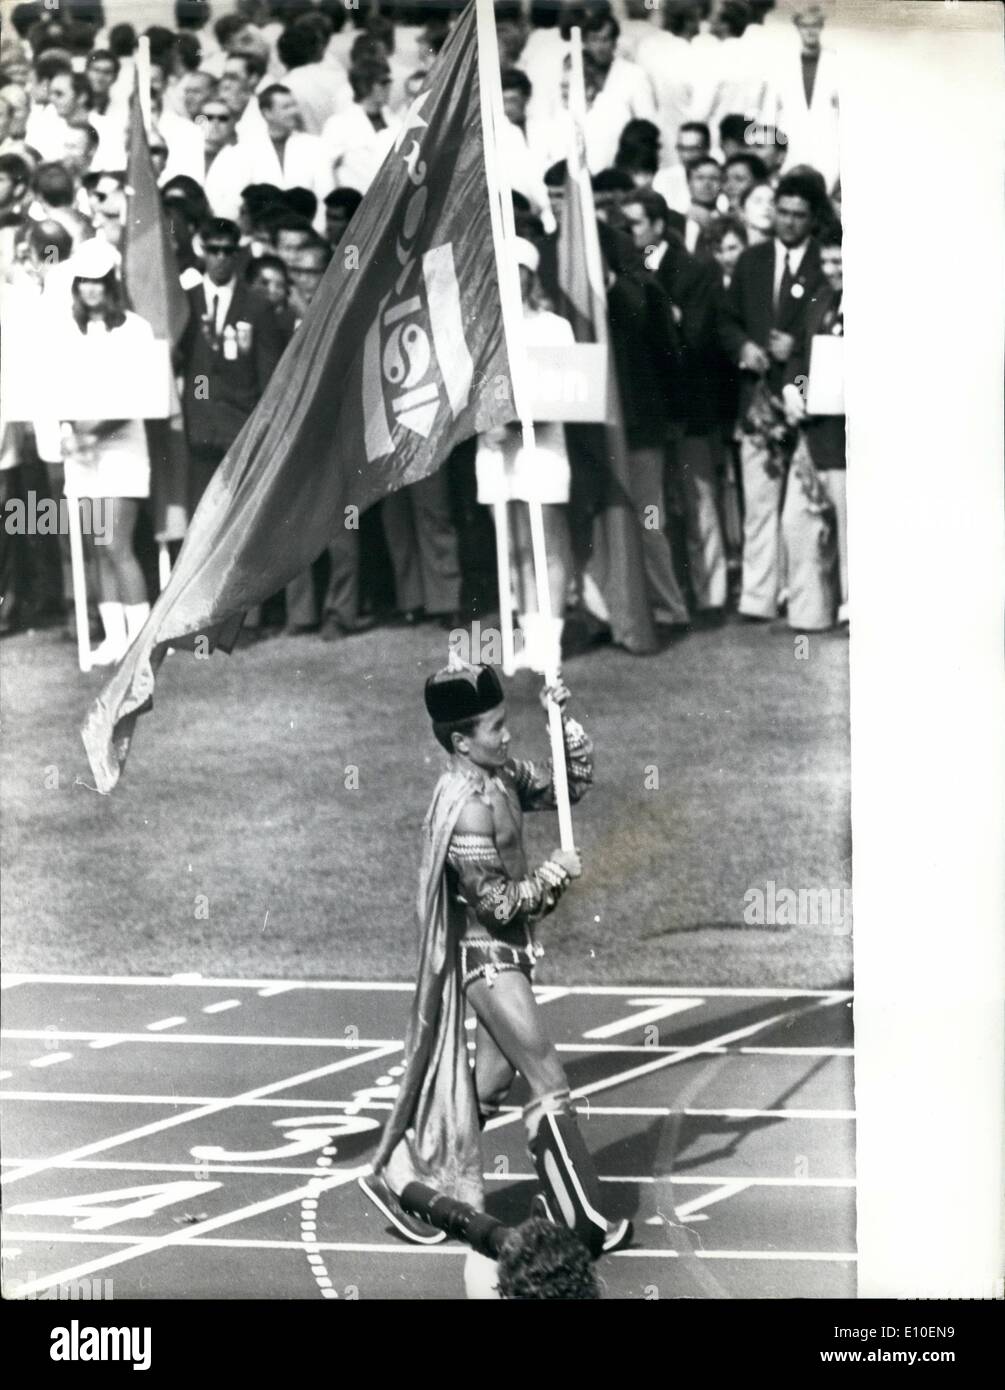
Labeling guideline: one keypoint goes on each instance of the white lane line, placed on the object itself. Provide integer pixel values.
(281, 986)
(712, 1046)
(98, 1098)
(398, 1248)
(111, 1041)
(191, 1233)
(212, 1039)
(175, 1022)
(690, 1180)
(718, 1194)
(170, 1121)
(731, 1113)
(50, 1059)
(651, 1012)
(221, 1006)
(6, 1075)
(270, 990)
(670, 1059)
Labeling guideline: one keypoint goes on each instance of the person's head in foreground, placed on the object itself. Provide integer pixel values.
(468, 710)
(537, 1260)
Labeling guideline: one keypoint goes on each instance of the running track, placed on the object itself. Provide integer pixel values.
(193, 1138)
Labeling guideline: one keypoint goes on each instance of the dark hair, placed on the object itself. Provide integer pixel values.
(189, 52)
(696, 128)
(640, 132)
(653, 204)
(115, 308)
(301, 201)
(555, 176)
(122, 40)
(254, 64)
(191, 14)
(258, 196)
(162, 43)
(508, 11)
(379, 27)
(283, 220)
(597, 18)
(225, 28)
(191, 195)
(733, 127)
(612, 181)
(753, 162)
(43, 235)
(265, 262)
(335, 12)
(15, 168)
(514, 80)
(803, 183)
(321, 247)
(679, 13)
(720, 227)
(50, 65)
(540, 1260)
(735, 14)
(104, 55)
(80, 37)
(25, 15)
(298, 45)
(830, 233)
(364, 76)
(222, 228)
(348, 199)
(700, 163)
(443, 732)
(54, 184)
(266, 98)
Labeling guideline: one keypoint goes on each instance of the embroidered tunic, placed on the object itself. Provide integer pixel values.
(487, 868)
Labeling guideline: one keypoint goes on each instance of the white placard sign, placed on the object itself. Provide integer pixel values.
(825, 393)
(569, 382)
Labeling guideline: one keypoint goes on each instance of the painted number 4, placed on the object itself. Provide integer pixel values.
(95, 1211)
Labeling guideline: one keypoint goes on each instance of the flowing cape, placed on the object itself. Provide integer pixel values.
(433, 1135)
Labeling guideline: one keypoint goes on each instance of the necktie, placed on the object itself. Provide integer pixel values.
(214, 309)
(785, 288)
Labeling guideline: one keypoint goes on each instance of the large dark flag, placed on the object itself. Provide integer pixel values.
(400, 357)
(150, 275)
(616, 562)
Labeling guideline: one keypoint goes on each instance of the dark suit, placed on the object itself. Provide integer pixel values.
(220, 393)
(748, 315)
(691, 287)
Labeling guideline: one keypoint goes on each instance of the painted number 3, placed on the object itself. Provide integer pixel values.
(304, 1136)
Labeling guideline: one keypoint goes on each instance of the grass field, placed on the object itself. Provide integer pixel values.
(234, 846)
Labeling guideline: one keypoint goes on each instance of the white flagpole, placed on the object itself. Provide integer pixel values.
(79, 582)
(143, 82)
(501, 514)
(504, 236)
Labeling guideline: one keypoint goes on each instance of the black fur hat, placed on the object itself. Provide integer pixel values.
(462, 692)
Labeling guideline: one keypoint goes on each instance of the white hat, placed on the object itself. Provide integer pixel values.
(94, 259)
(527, 254)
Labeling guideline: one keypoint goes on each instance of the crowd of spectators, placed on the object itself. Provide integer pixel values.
(711, 140)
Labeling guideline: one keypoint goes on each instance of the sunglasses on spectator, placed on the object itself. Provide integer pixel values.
(215, 116)
(220, 248)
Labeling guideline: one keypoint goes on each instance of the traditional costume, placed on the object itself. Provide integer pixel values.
(478, 905)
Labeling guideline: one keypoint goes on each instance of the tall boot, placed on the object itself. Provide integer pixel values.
(113, 618)
(566, 1169)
